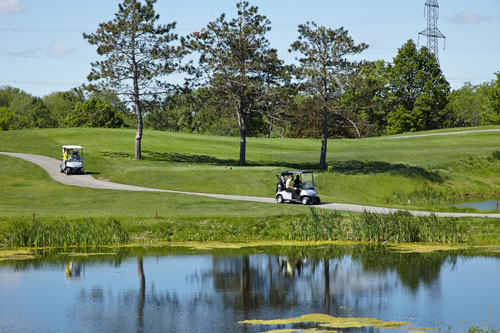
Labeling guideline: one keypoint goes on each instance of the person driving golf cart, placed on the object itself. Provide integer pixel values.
(299, 190)
(75, 156)
(291, 186)
(72, 160)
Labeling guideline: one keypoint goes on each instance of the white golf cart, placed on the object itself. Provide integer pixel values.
(72, 160)
(301, 187)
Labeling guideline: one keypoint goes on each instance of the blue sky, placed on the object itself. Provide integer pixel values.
(42, 49)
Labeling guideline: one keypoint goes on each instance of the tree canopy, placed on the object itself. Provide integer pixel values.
(138, 54)
(234, 60)
(324, 69)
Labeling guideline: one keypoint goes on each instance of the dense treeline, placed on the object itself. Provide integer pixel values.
(20, 110)
(236, 85)
(198, 111)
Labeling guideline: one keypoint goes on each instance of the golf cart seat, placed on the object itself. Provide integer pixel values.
(281, 183)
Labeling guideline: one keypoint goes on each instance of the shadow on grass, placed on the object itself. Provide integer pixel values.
(149, 155)
(351, 167)
(360, 167)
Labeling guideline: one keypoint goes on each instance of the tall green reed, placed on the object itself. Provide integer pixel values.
(400, 227)
(86, 232)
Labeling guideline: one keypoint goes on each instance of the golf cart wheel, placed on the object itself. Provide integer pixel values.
(317, 201)
(279, 199)
(306, 201)
(66, 171)
(82, 172)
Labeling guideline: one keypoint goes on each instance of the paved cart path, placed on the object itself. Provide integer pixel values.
(51, 165)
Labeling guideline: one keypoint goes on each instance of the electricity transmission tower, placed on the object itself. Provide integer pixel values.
(432, 32)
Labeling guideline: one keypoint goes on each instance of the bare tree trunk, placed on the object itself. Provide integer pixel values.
(243, 126)
(138, 135)
(324, 138)
(243, 147)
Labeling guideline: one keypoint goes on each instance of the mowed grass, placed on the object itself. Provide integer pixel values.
(410, 173)
(429, 171)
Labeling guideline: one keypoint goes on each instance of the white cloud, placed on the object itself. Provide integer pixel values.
(59, 48)
(11, 6)
(469, 18)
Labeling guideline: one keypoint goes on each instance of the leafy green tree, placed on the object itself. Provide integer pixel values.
(417, 84)
(7, 94)
(31, 112)
(277, 94)
(138, 55)
(366, 98)
(468, 106)
(324, 70)
(401, 120)
(7, 119)
(494, 95)
(94, 113)
(232, 56)
(60, 104)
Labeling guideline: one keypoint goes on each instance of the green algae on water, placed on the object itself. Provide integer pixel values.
(327, 321)
(18, 254)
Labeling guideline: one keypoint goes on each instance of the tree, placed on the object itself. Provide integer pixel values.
(324, 70)
(137, 55)
(494, 95)
(278, 93)
(468, 106)
(30, 112)
(94, 113)
(366, 98)
(60, 104)
(232, 57)
(416, 84)
(7, 119)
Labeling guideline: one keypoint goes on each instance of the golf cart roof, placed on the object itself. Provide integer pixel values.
(72, 147)
(294, 172)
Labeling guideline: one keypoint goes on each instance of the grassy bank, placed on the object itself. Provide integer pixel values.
(315, 225)
(426, 173)
(430, 172)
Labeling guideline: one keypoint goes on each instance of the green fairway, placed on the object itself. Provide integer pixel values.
(429, 171)
(426, 173)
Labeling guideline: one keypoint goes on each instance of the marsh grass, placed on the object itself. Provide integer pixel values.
(397, 227)
(85, 232)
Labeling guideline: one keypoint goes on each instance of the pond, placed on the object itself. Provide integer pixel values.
(492, 204)
(362, 288)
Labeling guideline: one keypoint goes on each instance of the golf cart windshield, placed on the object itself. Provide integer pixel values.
(307, 180)
(75, 158)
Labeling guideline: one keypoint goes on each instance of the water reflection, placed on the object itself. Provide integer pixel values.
(188, 291)
(73, 270)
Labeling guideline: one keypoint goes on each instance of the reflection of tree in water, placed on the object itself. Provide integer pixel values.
(253, 284)
(142, 294)
(412, 268)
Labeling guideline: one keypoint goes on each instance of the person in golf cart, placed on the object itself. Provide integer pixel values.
(297, 183)
(72, 161)
(75, 156)
(299, 190)
(291, 186)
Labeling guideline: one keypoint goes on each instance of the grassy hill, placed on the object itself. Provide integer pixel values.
(429, 171)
